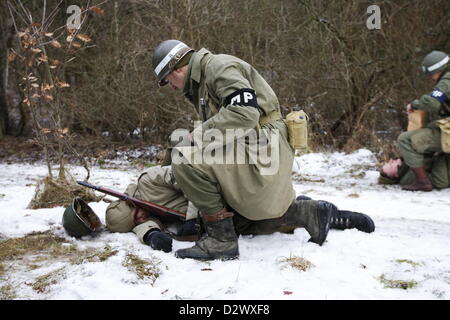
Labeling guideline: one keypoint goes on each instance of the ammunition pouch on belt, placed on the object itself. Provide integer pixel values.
(272, 116)
(297, 123)
(444, 125)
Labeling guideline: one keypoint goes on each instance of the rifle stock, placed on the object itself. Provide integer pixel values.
(160, 212)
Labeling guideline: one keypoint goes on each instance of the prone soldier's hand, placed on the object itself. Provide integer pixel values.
(158, 240)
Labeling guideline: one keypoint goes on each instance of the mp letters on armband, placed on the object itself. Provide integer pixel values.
(242, 97)
(439, 95)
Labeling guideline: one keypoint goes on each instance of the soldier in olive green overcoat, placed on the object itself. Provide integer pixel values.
(234, 102)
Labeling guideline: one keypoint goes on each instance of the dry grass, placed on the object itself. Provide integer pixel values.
(38, 250)
(397, 284)
(144, 269)
(41, 243)
(41, 247)
(298, 263)
(94, 255)
(55, 192)
(407, 261)
(43, 283)
(7, 292)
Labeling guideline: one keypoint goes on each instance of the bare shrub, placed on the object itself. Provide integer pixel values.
(317, 55)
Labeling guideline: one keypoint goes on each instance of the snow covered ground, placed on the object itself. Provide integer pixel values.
(407, 257)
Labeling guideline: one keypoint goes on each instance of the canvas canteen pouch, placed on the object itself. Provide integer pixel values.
(444, 125)
(297, 123)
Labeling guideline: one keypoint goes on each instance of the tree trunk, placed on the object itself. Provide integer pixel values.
(4, 118)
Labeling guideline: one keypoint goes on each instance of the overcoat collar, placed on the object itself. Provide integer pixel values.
(194, 71)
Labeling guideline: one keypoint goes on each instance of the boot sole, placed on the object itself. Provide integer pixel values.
(324, 217)
(418, 189)
(228, 255)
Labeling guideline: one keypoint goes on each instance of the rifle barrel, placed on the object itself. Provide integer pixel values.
(160, 211)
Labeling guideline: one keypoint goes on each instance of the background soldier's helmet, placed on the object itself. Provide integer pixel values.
(435, 61)
(79, 219)
(166, 56)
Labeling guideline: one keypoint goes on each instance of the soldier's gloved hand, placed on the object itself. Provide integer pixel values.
(409, 108)
(190, 227)
(158, 240)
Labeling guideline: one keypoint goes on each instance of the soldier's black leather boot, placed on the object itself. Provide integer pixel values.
(314, 216)
(343, 219)
(219, 242)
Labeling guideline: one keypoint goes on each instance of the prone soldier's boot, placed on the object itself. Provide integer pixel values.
(422, 183)
(218, 242)
(343, 219)
(314, 216)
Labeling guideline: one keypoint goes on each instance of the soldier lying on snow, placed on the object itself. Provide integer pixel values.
(437, 168)
(158, 185)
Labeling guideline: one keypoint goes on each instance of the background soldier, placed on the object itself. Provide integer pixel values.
(415, 144)
(229, 93)
(396, 171)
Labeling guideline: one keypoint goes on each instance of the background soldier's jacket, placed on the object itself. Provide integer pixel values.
(436, 103)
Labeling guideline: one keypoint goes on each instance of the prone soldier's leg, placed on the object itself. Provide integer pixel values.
(155, 185)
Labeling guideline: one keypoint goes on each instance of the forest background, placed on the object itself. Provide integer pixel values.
(85, 90)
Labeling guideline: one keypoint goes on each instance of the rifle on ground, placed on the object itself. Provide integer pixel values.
(160, 212)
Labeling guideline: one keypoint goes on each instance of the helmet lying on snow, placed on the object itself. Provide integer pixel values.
(79, 219)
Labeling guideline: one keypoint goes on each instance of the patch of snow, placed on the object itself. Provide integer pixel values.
(410, 243)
